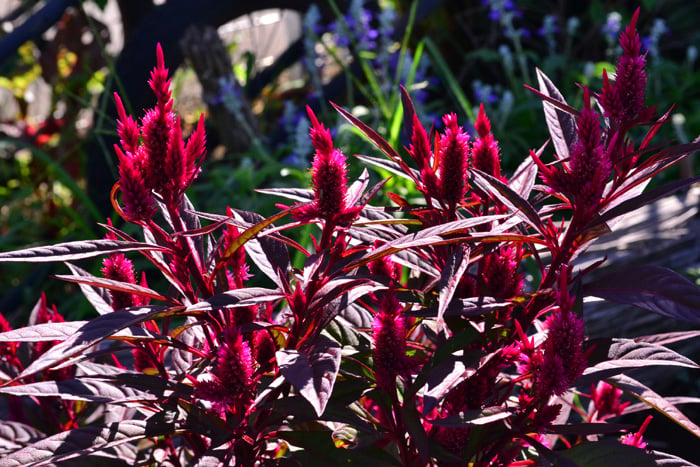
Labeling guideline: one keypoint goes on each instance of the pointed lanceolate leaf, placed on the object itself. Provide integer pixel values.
(90, 334)
(654, 400)
(84, 388)
(653, 288)
(16, 435)
(452, 273)
(503, 193)
(271, 256)
(98, 297)
(70, 251)
(614, 356)
(312, 371)
(474, 417)
(44, 332)
(118, 286)
(561, 125)
(236, 298)
(79, 443)
(606, 453)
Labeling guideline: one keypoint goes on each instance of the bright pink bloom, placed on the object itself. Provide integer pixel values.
(624, 100)
(119, 268)
(486, 156)
(501, 274)
(606, 400)
(139, 204)
(419, 148)
(389, 348)
(127, 129)
(453, 157)
(635, 439)
(329, 180)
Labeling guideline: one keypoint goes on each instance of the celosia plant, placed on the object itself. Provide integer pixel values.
(409, 335)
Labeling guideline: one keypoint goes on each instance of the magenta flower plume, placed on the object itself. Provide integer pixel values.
(486, 156)
(590, 165)
(119, 268)
(157, 125)
(635, 439)
(127, 129)
(501, 274)
(231, 384)
(329, 181)
(419, 149)
(139, 204)
(453, 156)
(624, 100)
(563, 357)
(389, 338)
(606, 400)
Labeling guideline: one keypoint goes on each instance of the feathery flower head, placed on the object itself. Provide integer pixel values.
(389, 342)
(606, 400)
(453, 157)
(485, 152)
(127, 128)
(329, 180)
(624, 100)
(501, 274)
(419, 149)
(118, 267)
(139, 204)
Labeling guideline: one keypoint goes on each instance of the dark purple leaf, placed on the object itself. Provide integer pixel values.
(639, 201)
(442, 379)
(389, 166)
(452, 273)
(409, 111)
(523, 180)
(606, 453)
(236, 298)
(93, 332)
(248, 234)
(655, 401)
(675, 400)
(297, 194)
(503, 193)
(668, 337)
(465, 307)
(653, 288)
(312, 371)
(415, 429)
(424, 237)
(561, 125)
(614, 356)
(473, 417)
(355, 190)
(271, 256)
(16, 435)
(70, 251)
(82, 388)
(602, 428)
(664, 459)
(78, 443)
(44, 332)
(343, 301)
(372, 135)
(98, 297)
(116, 285)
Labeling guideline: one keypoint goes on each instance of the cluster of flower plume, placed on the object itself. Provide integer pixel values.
(427, 345)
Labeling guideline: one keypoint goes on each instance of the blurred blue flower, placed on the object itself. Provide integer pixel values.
(612, 27)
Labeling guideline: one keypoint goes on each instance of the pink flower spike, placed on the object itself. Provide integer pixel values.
(175, 168)
(118, 268)
(127, 129)
(482, 124)
(389, 347)
(453, 155)
(139, 204)
(195, 150)
(419, 148)
(485, 152)
(160, 83)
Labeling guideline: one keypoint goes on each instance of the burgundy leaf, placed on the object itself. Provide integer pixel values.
(503, 193)
(523, 180)
(270, 255)
(452, 273)
(655, 401)
(82, 388)
(473, 417)
(44, 332)
(616, 210)
(236, 298)
(424, 237)
(78, 443)
(93, 332)
(668, 337)
(442, 380)
(389, 166)
(70, 251)
(614, 356)
(605, 453)
(561, 125)
(15, 435)
(117, 286)
(356, 189)
(296, 194)
(653, 288)
(97, 296)
(312, 371)
(580, 429)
